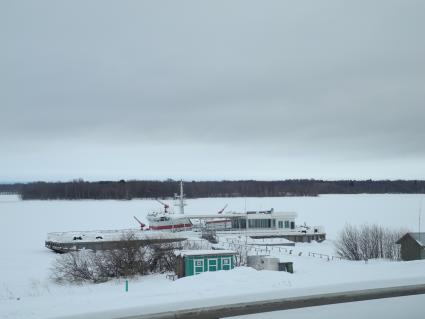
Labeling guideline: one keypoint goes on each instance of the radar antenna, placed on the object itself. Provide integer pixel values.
(166, 206)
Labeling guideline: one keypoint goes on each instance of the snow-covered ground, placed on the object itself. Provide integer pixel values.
(27, 292)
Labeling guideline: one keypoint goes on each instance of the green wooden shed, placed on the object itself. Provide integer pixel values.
(194, 262)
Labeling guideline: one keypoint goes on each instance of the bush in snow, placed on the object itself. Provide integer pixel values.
(100, 266)
(78, 267)
(162, 258)
(191, 244)
(368, 242)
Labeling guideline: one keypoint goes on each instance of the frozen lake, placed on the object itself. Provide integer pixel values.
(34, 219)
(24, 268)
(26, 223)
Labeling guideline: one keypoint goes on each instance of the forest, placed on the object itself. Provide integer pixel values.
(122, 189)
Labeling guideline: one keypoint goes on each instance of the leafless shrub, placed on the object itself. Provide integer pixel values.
(77, 267)
(129, 260)
(390, 249)
(162, 258)
(347, 244)
(196, 244)
(240, 256)
(368, 242)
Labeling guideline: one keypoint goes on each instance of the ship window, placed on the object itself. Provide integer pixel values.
(280, 224)
(260, 223)
(286, 223)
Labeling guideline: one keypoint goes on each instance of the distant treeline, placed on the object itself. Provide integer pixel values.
(11, 188)
(80, 189)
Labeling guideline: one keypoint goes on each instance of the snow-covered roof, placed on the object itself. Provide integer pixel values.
(204, 252)
(419, 237)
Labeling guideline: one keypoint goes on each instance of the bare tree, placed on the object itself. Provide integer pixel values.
(77, 267)
(390, 250)
(347, 245)
(130, 260)
(162, 258)
(368, 242)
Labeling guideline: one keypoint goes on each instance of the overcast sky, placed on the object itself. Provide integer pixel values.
(212, 89)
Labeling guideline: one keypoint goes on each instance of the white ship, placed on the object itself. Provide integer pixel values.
(166, 220)
(257, 224)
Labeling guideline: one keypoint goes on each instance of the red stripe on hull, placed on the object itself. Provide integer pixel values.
(170, 226)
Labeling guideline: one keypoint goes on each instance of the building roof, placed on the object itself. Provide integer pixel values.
(249, 214)
(204, 252)
(418, 237)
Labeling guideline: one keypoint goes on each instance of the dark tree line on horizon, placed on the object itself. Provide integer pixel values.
(80, 189)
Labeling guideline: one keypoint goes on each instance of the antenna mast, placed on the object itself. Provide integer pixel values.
(420, 213)
(180, 199)
(419, 227)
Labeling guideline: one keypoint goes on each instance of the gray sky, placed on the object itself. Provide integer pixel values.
(212, 89)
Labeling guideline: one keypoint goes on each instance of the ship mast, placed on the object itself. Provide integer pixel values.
(180, 199)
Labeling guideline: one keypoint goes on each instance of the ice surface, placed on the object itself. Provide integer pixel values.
(27, 292)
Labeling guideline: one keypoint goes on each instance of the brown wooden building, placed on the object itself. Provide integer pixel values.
(412, 246)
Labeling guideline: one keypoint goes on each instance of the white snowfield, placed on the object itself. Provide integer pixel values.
(27, 292)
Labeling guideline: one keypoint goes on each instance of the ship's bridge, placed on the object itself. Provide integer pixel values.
(268, 219)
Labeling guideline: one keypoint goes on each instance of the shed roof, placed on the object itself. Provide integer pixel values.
(418, 237)
(204, 252)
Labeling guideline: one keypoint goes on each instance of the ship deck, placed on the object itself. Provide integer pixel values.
(62, 242)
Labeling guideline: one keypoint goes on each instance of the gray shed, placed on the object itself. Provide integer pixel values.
(412, 246)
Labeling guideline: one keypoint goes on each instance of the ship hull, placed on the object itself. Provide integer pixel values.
(167, 222)
(171, 227)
